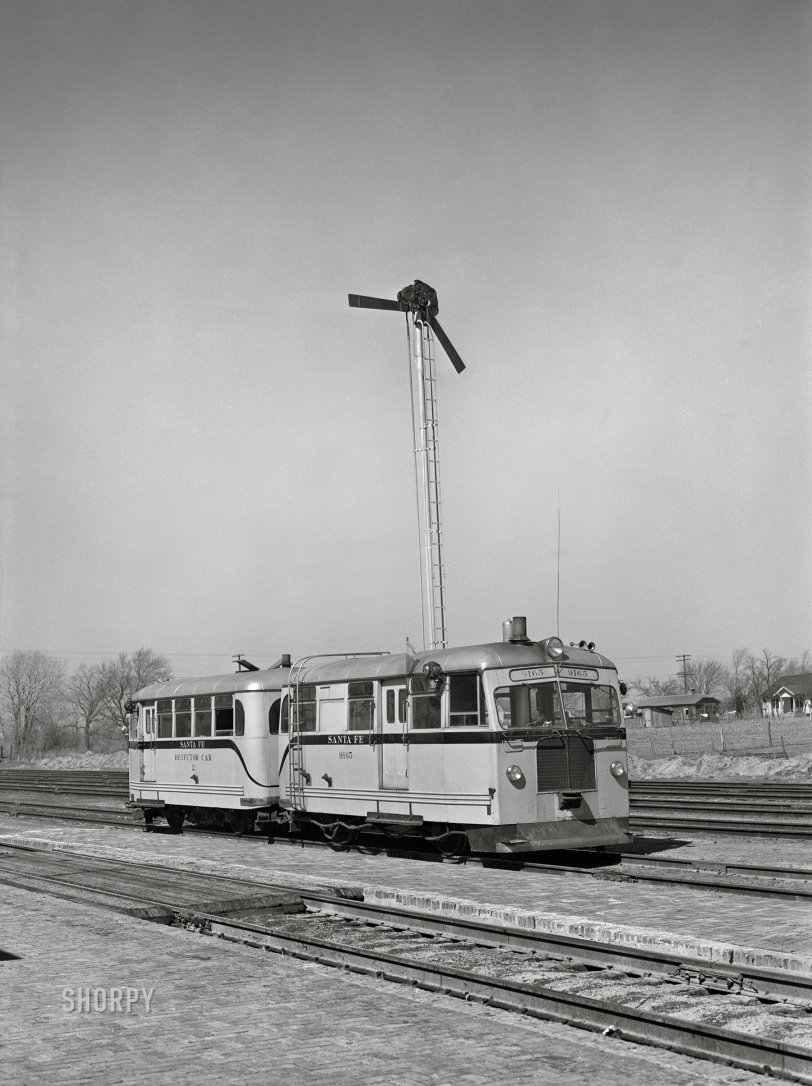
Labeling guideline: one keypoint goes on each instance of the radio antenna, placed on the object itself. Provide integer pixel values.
(558, 569)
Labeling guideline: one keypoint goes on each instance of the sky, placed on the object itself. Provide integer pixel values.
(206, 451)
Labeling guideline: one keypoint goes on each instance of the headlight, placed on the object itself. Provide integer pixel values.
(514, 774)
(554, 647)
(617, 769)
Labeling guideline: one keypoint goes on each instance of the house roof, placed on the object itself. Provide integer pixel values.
(799, 685)
(678, 701)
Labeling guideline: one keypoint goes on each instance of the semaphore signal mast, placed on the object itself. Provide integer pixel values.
(419, 302)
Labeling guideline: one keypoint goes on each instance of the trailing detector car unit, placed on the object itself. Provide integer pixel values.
(208, 749)
(514, 746)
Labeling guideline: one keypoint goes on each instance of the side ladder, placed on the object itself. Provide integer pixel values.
(298, 777)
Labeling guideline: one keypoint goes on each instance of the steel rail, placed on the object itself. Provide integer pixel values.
(708, 825)
(651, 1028)
(644, 869)
(107, 815)
(753, 1053)
(698, 872)
(699, 1040)
(747, 806)
(755, 979)
(720, 867)
(156, 909)
(755, 787)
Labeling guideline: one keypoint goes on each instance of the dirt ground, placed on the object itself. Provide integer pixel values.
(722, 767)
(709, 767)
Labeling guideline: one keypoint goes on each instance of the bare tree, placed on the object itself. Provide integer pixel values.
(31, 686)
(706, 676)
(86, 689)
(735, 680)
(656, 688)
(126, 675)
(797, 665)
(761, 672)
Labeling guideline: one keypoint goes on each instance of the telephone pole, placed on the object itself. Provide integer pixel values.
(685, 658)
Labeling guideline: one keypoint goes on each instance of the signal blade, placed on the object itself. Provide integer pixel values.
(448, 346)
(361, 301)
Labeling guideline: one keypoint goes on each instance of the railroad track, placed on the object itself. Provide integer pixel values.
(78, 782)
(762, 809)
(590, 985)
(777, 881)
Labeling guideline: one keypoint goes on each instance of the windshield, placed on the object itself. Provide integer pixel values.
(556, 705)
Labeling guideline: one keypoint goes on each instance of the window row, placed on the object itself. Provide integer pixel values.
(419, 707)
(351, 708)
(183, 718)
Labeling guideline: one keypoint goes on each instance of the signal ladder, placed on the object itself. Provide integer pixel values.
(427, 475)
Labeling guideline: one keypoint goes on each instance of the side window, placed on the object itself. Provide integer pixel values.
(305, 707)
(165, 719)
(273, 718)
(147, 719)
(223, 714)
(283, 715)
(202, 716)
(465, 701)
(239, 717)
(426, 702)
(391, 708)
(183, 718)
(362, 706)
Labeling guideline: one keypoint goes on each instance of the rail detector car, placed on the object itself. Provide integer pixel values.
(508, 747)
(513, 746)
(208, 748)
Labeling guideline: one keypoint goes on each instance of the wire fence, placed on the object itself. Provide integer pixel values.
(779, 737)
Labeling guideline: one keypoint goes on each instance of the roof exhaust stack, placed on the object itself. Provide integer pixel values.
(515, 630)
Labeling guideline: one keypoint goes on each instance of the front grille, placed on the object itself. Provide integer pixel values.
(565, 763)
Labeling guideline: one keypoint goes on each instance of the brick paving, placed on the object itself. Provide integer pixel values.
(694, 923)
(225, 1013)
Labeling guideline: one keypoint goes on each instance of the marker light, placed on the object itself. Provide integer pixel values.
(554, 647)
(617, 769)
(514, 774)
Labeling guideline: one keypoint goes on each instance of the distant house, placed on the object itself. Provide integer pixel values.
(655, 716)
(791, 694)
(682, 708)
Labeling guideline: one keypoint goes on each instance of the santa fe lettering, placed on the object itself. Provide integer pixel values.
(345, 739)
